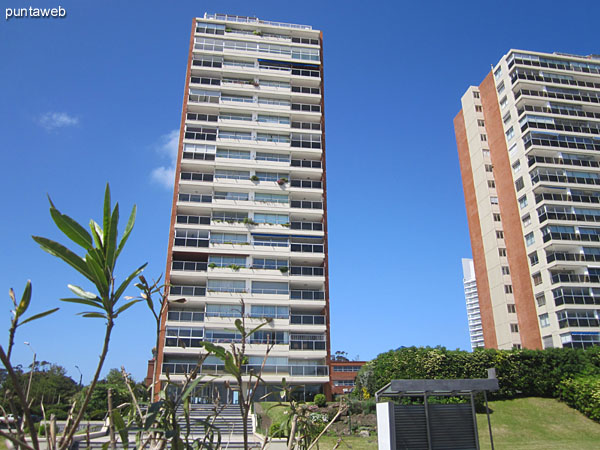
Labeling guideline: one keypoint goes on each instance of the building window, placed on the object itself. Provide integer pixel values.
(519, 184)
(547, 342)
(489, 168)
(498, 72)
(505, 270)
(503, 102)
(499, 234)
(481, 122)
(506, 118)
(529, 239)
(475, 94)
(544, 320)
(497, 217)
(478, 108)
(533, 258)
(508, 288)
(483, 137)
(523, 201)
(494, 200)
(537, 278)
(512, 309)
(486, 152)
(510, 133)
(502, 251)
(540, 299)
(500, 88)
(512, 149)
(526, 219)
(516, 347)
(514, 328)
(491, 183)
(516, 166)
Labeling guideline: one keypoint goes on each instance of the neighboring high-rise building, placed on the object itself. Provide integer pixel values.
(249, 216)
(528, 142)
(473, 314)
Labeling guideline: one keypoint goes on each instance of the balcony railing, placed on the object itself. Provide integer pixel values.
(560, 127)
(550, 79)
(195, 198)
(185, 316)
(310, 226)
(567, 198)
(574, 278)
(193, 220)
(196, 176)
(306, 271)
(193, 291)
(310, 164)
(562, 161)
(308, 248)
(308, 184)
(303, 319)
(559, 111)
(564, 256)
(302, 294)
(307, 345)
(536, 178)
(305, 204)
(571, 237)
(271, 291)
(568, 216)
(306, 107)
(219, 369)
(189, 266)
(587, 98)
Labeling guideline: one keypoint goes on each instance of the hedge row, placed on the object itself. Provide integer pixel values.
(583, 394)
(525, 373)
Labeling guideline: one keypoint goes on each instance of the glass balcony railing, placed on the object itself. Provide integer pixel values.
(303, 319)
(219, 369)
(189, 266)
(303, 294)
(193, 291)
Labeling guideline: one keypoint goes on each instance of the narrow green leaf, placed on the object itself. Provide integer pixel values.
(39, 316)
(128, 229)
(121, 428)
(128, 280)
(58, 250)
(110, 248)
(25, 300)
(254, 330)
(125, 306)
(219, 352)
(93, 315)
(80, 292)
(189, 389)
(97, 234)
(99, 278)
(105, 446)
(71, 229)
(83, 301)
(50, 200)
(106, 215)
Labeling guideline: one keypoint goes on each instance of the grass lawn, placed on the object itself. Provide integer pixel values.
(537, 423)
(526, 423)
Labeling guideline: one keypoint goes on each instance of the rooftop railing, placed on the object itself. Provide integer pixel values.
(255, 20)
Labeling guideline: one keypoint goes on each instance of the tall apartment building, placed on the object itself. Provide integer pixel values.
(472, 301)
(528, 142)
(249, 216)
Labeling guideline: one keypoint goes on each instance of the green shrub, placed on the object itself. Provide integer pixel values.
(521, 373)
(320, 400)
(368, 406)
(277, 430)
(583, 394)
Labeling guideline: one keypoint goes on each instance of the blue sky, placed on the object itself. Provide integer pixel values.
(96, 97)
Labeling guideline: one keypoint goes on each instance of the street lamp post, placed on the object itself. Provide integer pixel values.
(80, 375)
(31, 371)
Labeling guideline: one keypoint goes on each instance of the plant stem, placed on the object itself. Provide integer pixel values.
(22, 399)
(68, 436)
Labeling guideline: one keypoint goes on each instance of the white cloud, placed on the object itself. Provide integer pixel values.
(52, 120)
(165, 175)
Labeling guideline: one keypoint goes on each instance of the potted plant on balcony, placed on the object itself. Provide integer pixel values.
(283, 269)
(254, 178)
(282, 181)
